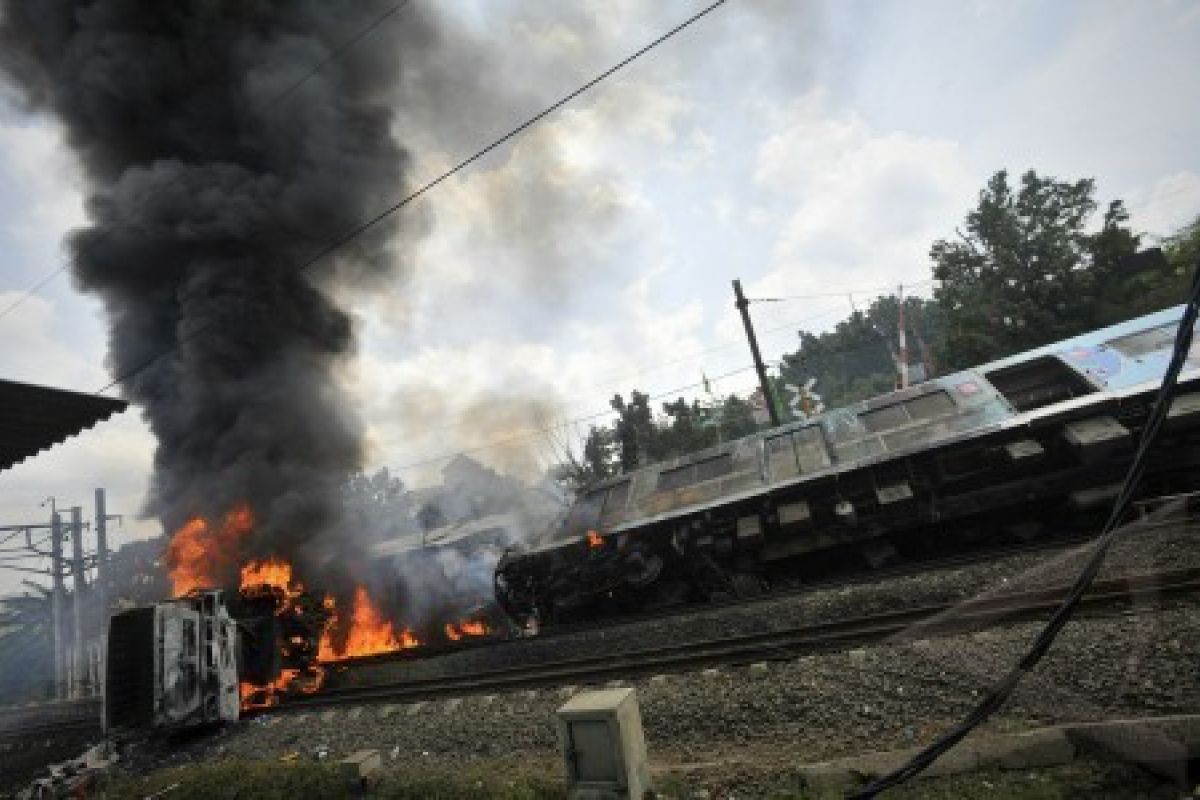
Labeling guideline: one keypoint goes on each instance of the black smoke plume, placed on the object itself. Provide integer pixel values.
(211, 178)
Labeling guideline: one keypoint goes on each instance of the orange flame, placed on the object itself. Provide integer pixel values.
(268, 572)
(255, 697)
(594, 540)
(369, 634)
(201, 555)
(456, 631)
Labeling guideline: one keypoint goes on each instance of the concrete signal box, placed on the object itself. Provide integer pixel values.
(601, 737)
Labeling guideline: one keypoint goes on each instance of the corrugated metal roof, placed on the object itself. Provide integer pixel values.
(33, 418)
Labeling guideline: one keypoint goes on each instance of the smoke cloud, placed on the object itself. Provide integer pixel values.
(211, 178)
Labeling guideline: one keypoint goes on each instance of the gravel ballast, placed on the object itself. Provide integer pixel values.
(777, 714)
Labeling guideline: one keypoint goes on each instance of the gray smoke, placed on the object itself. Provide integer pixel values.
(209, 184)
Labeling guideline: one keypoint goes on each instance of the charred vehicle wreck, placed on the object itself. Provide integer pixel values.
(1027, 446)
(207, 656)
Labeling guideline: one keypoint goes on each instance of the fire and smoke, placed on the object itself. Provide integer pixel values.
(211, 179)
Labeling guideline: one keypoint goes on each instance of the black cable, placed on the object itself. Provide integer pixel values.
(362, 227)
(335, 54)
(878, 290)
(999, 693)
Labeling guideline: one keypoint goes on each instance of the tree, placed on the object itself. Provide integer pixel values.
(26, 666)
(856, 359)
(737, 418)
(1026, 272)
(1182, 250)
(686, 430)
(634, 431)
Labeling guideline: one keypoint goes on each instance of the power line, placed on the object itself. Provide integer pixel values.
(370, 223)
(335, 54)
(845, 293)
(338, 52)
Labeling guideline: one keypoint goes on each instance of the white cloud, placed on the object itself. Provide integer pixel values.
(861, 206)
(34, 350)
(1167, 205)
(37, 169)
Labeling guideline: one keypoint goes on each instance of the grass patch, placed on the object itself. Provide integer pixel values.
(1076, 781)
(270, 780)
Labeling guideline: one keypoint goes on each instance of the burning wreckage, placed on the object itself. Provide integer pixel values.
(209, 654)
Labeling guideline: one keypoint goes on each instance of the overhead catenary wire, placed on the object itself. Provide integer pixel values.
(326, 250)
(877, 290)
(558, 426)
(1002, 690)
(334, 55)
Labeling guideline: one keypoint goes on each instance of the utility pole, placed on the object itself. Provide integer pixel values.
(742, 305)
(56, 601)
(78, 668)
(903, 359)
(101, 585)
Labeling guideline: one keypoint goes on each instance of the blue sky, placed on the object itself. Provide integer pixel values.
(803, 147)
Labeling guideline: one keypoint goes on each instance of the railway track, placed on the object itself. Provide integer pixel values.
(82, 716)
(1153, 508)
(933, 620)
(41, 719)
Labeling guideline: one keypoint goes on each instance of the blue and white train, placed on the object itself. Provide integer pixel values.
(1032, 444)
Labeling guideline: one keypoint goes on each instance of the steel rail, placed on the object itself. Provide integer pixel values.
(895, 626)
(797, 589)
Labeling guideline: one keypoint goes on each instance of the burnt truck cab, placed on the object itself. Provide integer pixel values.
(172, 665)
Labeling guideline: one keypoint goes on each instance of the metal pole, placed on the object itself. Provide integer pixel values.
(56, 601)
(77, 656)
(101, 586)
(742, 305)
(903, 341)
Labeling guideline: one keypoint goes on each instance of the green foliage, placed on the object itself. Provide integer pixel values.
(1026, 272)
(271, 780)
(26, 668)
(856, 359)
(1182, 249)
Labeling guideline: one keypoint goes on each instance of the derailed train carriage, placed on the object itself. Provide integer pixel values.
(1029, 445)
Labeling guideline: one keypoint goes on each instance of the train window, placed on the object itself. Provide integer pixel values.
(930, 406)
(1039, 382)
(884, 419)
(1136, 345)
(695, 473)
(676, 478)
(810, 449)
(614, 503)
(781, 457)
(714, 467)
